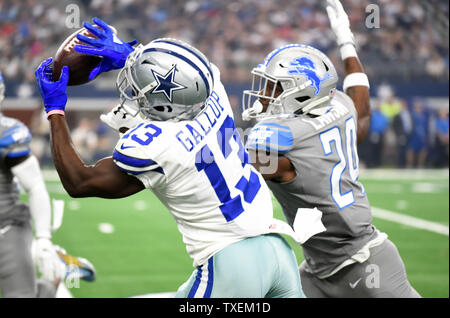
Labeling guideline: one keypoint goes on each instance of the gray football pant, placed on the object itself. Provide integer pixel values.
(17, 270)
(383, 275)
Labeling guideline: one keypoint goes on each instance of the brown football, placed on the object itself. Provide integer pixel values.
(80, 65)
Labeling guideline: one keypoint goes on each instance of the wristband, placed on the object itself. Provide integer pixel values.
(355, 79)
(348, 50)
(55, 111)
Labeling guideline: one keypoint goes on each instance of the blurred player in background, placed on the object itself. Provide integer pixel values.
(313, 129)
(17, 264)
(186, 150)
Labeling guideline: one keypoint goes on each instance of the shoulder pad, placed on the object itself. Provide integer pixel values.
(15, 140)
(345, 100)
(269, 136)
(134, 154)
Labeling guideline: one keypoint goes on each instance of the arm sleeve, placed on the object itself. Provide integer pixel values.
(30, 178)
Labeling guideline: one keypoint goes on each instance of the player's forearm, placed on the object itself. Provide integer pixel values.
(102, 180)
(358, 93)
(71, 169)
(356, 83)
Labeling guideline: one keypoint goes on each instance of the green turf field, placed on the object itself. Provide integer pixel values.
(140, 251)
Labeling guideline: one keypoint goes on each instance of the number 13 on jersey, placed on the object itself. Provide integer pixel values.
(231, 207)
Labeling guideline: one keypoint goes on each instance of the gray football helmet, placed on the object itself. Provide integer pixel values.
(304, 78)
(2, 88)
(165, 79)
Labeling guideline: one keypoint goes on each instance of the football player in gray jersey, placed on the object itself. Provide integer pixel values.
(17, 262)
(311, 131)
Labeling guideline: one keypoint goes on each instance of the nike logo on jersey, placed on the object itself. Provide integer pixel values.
(354, 284)
(123, 147)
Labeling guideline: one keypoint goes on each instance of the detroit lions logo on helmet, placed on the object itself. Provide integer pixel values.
(305, 66)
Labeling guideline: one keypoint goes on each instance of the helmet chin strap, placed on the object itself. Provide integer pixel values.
(129, 107)
(309, 108)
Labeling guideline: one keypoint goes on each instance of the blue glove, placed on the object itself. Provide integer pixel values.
(114, 51)
(53, 93)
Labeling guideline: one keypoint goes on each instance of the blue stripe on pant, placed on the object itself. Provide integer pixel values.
(199, 283)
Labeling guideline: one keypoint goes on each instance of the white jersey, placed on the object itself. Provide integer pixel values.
(201, 172)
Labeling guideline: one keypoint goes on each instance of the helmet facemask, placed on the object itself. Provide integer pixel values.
(132, 98)
(264, 99)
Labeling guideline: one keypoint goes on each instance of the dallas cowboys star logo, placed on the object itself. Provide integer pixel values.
(167, 84)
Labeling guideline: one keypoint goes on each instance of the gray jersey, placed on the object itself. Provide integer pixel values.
(323, 151)
(14, 142)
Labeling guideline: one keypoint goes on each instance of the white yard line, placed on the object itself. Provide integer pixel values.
(404, 174)
(410, 221)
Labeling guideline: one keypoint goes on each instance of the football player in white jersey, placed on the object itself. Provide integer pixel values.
(17, 262)
(185, 149)
(313, 129)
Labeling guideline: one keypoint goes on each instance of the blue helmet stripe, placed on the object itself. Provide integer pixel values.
(279, 50)
(202, 75)
(190, 51)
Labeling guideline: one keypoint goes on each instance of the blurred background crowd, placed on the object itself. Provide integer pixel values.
(406, 58)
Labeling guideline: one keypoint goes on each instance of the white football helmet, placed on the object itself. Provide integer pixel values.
(165, 79)
(304, 78)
